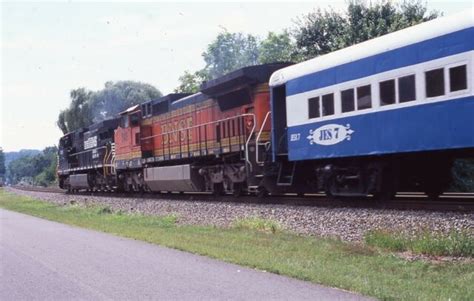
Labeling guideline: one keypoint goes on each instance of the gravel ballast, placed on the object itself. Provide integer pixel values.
(349, 224)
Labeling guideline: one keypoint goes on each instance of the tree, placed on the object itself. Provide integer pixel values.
(277, 48)
(321, 32)
(230, 51)
(118, 96)
(79, 113)
(38, 169)
(191, 82)
(47, 174)
(87, 106)
(61, 122)
(2, 163)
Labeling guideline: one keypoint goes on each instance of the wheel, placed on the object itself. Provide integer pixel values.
(330, 187)
(218, 189)
(433, 187)
(238, 189)
(262, 192)
(387, 185)
(435, 182)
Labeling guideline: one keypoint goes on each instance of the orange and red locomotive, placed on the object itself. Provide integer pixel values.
(213, 140)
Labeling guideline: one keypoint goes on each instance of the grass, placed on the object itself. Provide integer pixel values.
(258, 224)
(453, 244)
(359, 268)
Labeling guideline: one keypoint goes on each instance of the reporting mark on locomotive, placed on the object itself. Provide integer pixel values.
(330, 134)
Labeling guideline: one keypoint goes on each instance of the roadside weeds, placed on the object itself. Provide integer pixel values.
(263, 244)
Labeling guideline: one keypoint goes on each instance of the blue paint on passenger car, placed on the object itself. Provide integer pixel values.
(427, 127)
(446, 45)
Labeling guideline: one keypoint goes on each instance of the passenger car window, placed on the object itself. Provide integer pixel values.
(387, 92)
(364, 98)
(328, 104)
(347, 100)
(406, 88)
(313, 107)
(457, 78)
(434, 82)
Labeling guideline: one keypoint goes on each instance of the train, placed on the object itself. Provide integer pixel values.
(387, 115)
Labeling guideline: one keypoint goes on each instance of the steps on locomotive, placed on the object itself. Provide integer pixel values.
(286, 173)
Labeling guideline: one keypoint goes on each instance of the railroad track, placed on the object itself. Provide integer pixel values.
(451, 201)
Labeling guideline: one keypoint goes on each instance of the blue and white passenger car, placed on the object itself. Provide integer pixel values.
(398, 108)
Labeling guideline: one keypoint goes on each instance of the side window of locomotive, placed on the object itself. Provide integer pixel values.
(232, 123)
(224, 129)
(124, 121)
(457, 78)
(347, 100)
(387, 92)
(218, 132)
(148, 109)
(137, 138)
(406, 88)
(364, 97)
(134, 119)
(434, 80)
(313, 107)
(328, 104)
(105, 135)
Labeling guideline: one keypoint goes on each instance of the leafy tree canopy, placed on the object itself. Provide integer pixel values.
(2, 162)
(230, 51)
(191, 82)
(277, 48)
(38, 169)
(87, 106)
(321, 32)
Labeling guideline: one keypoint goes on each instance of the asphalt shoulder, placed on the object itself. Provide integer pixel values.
(48, 260)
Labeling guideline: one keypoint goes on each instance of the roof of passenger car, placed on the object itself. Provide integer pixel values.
(388, 42)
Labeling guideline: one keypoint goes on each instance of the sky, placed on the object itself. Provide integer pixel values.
(48, 49)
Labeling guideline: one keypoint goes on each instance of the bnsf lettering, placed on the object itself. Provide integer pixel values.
(173, 128)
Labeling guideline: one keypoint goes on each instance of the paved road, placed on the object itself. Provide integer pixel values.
(47, 260)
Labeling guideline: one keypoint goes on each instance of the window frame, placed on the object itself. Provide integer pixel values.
(317, 100)
(414, 85)
(395, 91)
(321, 105)
(353, 99)
(397, 88)
(425, 86)
(357, 97)
(448, 86)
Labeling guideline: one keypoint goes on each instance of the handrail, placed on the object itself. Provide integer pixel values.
(215, 122)
(202, 124)
(258, 138)
(87, 150)
(247, 144)
(112, 161)
(104, 161)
